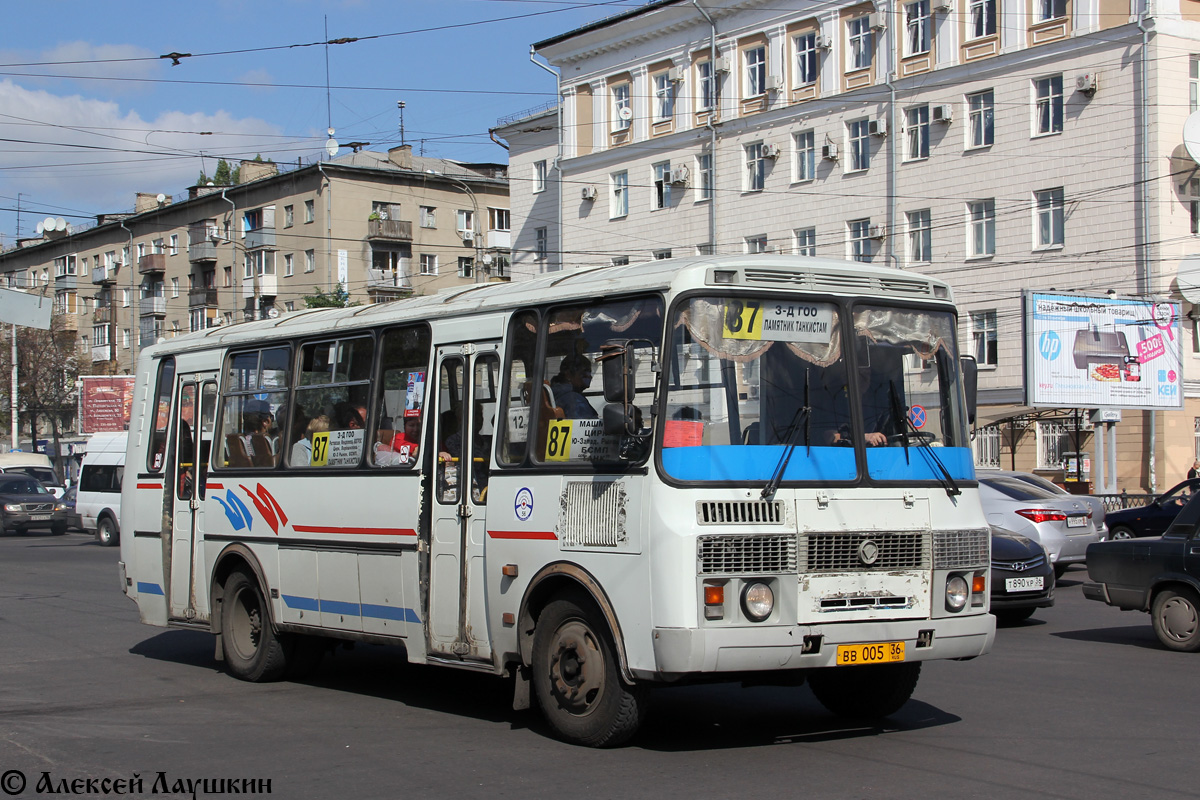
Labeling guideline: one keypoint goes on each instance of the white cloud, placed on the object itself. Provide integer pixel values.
(87, 62)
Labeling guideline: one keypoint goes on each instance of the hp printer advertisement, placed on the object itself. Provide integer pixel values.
(1088, 352)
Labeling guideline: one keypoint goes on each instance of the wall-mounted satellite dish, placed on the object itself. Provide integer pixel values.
(625, 113)
(1191, 136)
(162, 198)
(331, 147)
(48, 224)
(272, 312)
(39, 228)
(60, 224)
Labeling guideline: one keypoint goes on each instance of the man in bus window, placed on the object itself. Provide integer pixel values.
(574, 376)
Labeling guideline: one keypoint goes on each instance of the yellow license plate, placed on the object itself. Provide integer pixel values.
(878, 653)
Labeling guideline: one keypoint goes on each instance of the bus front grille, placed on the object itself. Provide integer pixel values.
(865, 551)
(739, 512)
(957, 549)
(746, 555)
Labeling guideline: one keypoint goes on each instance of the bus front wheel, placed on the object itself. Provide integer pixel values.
(253, 651)
(577, 680)
(868, 692)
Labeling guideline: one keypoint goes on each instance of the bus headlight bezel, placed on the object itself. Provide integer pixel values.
(758, 601)
(958, 593)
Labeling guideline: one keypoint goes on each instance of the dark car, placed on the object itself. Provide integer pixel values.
(1160, 575)
(68, 500)
(1022, 576)
(25, 503)
(1152, 519)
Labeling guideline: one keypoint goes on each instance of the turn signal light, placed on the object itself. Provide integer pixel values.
(979, 584)
(714, 595)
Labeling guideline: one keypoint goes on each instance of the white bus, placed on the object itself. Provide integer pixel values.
(768, 479)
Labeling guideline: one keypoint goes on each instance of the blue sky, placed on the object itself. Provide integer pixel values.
(90, 113)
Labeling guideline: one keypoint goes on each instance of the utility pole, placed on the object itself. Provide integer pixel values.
(16, 428)
(400, 105)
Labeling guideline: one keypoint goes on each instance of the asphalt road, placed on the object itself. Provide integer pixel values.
(1079, 702)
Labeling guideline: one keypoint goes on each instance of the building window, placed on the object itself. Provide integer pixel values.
(917, 129)
(704, 176)
(706, 94)
(540, 244)
(860, 240)
(662, 185)
(465, 223)
(983, 228)
(309, 212)
(289, 306)
(916, 20)
(159, 246)
(619, 202)
(174, 287)
(860, 145)
(982, 18)
(806, 241)
(310, 260)
(173, 247)
(756, 244)
(981, 121)
(1193, 82)
(1053, 440)
(289, 216)
(1051, 9)
(622, 112)
(287, 265)
(862, 48)
(620, 261)
(1049, 217)
(227, 277)
(659, 255)
(1194, 204)
(755, 60)
(141, 250)
(539, 176)
(499, 219)
(805, 45)
(920, 236)
(428, 214)
(125, 296)
(466, 267)
(986, 447)
(125, 338)
(984, 338)
(756, 168)
(429, 264)
(1048, 108)
(805, 165)
(664, 97)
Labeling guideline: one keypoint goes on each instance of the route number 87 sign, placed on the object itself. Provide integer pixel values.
(777, 321)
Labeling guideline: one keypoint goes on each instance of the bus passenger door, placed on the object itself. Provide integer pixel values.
(194, 415)
(467, 391)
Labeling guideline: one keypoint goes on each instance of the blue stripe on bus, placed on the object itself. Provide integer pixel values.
(758, 463)
(350, 609)
(341, 607)
(389, 612)
(149, 588)
(918, 463)
(302, 603)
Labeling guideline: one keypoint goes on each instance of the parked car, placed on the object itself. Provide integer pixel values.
(1095, 503)
(1152, 519)
(1022, 576)
(1062, 525)
(35, 465)
(1160, 575)
(25, 504)
(68, 500)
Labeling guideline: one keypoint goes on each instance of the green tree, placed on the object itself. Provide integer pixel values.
(338, 298)
(47, 367)
(224, 176)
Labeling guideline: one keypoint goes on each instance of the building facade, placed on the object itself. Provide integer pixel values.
(1003, 145)
(383, 226)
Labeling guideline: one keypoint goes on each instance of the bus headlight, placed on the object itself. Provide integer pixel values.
(957, 592)
(757, 601)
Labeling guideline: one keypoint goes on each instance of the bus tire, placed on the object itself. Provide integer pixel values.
(577, 680)
(106, 531)
(865, 693)
(253, 650)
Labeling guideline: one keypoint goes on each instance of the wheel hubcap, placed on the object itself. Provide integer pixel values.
(247, 625)
(1122, 535)
(1179, 619)
(576, 668)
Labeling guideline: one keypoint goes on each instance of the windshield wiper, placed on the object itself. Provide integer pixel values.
(789, 441)
(945, 478)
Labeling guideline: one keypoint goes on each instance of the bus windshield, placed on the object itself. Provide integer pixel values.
(867, 390)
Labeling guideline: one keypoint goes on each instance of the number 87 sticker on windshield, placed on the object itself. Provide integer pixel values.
(763, 320)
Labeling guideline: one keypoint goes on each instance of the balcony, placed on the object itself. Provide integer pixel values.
(268, 286)
(397, 230)
(499, 240)
(260, 237)
(152, 307)
(385, 280)
(102, 352)
(202, 251)
(104, 315)
(202, 298)
(102, 277)
(154, 262)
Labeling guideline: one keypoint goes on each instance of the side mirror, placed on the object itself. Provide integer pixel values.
(970, 373)
(616, 421)
(616, 359)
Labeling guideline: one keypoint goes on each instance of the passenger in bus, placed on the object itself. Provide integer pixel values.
(350, 416)
(406, 442)
(252, 448)
(574, 376)
(302, 449)
(481, 447)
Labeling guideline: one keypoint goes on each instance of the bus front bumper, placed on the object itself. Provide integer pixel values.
(679, 651)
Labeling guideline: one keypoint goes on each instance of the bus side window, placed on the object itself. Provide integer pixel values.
(162, 414)
(404, 357)
(516, 415)
(331, 416)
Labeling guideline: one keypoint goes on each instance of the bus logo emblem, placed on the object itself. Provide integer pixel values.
(868, 552)
(523, 505)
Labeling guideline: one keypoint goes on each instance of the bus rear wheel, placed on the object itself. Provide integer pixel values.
(868, 692)
(253, 651)
(577, 681)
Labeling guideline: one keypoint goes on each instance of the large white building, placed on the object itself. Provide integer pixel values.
(999, 144)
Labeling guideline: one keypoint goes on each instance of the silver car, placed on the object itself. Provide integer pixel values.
(1096, 503)
(1063, 525)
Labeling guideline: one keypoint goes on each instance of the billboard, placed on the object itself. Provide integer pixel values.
(104, 403)
(1089, 352)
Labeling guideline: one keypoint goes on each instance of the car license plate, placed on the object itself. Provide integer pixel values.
(879, 653)
(39, 517)
(1031, 584)
(1077, 521)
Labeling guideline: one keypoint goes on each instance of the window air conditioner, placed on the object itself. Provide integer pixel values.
(675, 75)
(774, 83)
(770, 151)
(679, 174)
(829, 152)
(877, 127)
(468, 237)
(875, 232)
(588, 193)
(723, 64)
(944, 113)
(876, 21)
(1087, 84)
(945, 5)
(823, 42)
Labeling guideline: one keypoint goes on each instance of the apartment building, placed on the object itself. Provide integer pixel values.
(382, 225)
(999, 144)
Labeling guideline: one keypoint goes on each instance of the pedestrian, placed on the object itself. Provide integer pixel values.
(1195, 470)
